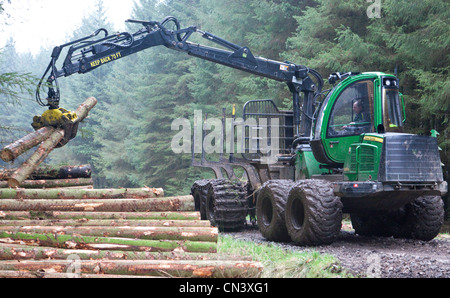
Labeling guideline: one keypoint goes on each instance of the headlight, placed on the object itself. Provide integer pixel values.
(390, 82)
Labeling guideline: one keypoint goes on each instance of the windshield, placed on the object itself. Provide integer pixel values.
(320, 115)
(393, 110)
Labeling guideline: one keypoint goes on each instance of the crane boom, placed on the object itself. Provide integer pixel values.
(87, 54)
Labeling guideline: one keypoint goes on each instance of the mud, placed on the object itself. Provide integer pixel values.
(383, 257)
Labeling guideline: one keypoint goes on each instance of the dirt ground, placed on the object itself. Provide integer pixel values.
(378, 256)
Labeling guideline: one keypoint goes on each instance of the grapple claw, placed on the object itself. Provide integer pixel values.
(58, 118)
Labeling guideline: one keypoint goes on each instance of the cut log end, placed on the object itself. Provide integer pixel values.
(13, 183)
(12, 151)
(6, 155)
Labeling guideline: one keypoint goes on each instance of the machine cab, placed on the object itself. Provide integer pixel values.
(359, 104)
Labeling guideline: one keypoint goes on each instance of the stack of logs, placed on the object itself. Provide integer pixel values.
(48, 176)
(74, 230)
(109, 233)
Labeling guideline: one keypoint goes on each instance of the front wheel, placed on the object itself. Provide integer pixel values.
(313, 213)
(421, 219)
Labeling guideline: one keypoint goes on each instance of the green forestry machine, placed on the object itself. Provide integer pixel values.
(337, 151)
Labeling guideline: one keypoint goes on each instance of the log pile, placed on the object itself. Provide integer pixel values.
(48, 176)
(57, 225)
(66, 232)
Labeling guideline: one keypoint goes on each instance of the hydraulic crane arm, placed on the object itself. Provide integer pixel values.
(87, 53)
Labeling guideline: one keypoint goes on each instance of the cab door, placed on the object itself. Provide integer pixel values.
(351, 114)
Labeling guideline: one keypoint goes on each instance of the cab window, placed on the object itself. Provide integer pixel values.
(352, 113)
(393, 114)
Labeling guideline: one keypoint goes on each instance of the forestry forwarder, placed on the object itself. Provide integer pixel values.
(345, 153)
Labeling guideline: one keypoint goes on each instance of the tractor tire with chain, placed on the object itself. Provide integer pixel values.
(270, 209)
(313, 213)
(226, 204)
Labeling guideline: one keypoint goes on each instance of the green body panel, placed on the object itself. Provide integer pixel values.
(336, 148)
(306, 165)
(363, 159)
(361, 163)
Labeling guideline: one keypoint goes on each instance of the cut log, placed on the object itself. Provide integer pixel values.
(166, 268)
(47, 146)
(107, 222)
(24, 252)
(55, 183)
(43, 274)
(111, 243)
(149, 233)
(183, 203)
(12, 151)
(80, 187)
(81, 194)
(35, 159)
(62, 172)
(46, 172)
(83, 110)
(58, 215)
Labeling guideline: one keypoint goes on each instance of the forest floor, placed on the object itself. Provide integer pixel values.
(384, 257)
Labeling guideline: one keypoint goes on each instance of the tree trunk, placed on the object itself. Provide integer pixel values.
(24, 252)
(107, 222)
(35, 159)
(183, 203)
(62, 172)
(149, 233)
(43, 274)
(12, 151)
(83, 110)
(58, 215)
(46, 172)
(81, 194)
(110, 243)
(166, 268)
(55, 183)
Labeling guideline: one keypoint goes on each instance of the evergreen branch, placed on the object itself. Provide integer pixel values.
(13, 85)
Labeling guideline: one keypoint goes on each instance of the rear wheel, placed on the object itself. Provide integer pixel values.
(313, 213)
(226, 204)
(270, 209)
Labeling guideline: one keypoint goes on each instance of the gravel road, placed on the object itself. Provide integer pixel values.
(377, 256)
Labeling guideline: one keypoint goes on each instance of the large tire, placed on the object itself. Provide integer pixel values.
(313, 213)
(421, 219)
(226, 204)
(270, 209)
(199, 191)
